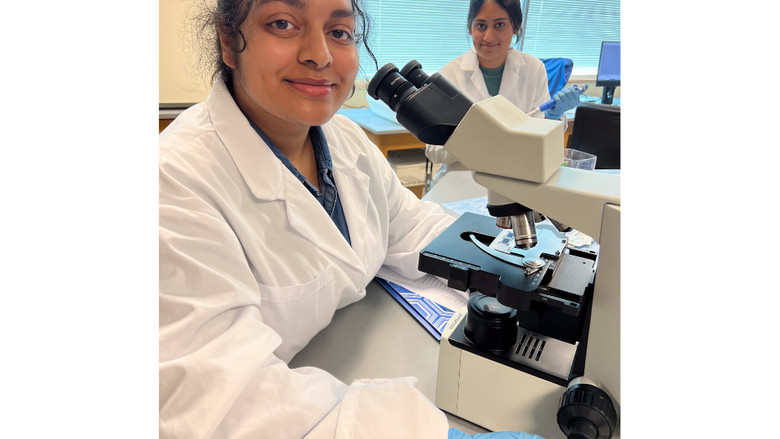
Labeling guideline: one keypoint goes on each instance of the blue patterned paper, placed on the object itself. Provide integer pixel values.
(432, 312)
(432, 316)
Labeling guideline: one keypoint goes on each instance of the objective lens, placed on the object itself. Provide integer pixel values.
(390, 87)
(524, 229)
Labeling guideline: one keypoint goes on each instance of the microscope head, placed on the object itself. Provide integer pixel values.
(430, 107)
(436, 112)
(491, 136)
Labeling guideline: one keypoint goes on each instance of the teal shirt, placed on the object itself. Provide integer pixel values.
(493, 78)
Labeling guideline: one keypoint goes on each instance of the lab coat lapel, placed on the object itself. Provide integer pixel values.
(269, 180)
(353, 186)
(258, 165)
(509, 79)
(471, 64)
(307, 217)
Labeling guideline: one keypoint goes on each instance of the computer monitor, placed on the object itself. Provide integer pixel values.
(608, 75)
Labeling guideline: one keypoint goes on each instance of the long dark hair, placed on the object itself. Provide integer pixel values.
(512, 8)
(228, 16)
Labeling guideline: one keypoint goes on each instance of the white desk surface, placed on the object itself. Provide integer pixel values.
(377, 338)
(369, 120)
(455, 186)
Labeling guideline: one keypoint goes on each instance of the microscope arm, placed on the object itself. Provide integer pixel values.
(571, 196)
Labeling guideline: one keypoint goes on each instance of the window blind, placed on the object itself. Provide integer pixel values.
(434, 32)
(571, 29)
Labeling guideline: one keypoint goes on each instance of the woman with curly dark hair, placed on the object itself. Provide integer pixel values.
(274, 213)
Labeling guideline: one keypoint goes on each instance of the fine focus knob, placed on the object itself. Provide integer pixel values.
(489, 324)
(586, 412)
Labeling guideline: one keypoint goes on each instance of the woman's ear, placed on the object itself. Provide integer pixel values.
(228, 56)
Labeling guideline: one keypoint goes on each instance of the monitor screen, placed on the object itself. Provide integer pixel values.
(609, 64)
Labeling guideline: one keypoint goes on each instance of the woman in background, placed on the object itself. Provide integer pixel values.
(492, 67)
(274, 213)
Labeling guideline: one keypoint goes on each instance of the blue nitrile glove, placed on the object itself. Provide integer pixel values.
(565, 100)
(457, 434)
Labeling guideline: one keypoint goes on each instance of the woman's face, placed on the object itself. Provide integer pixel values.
(299, 63)
(492, 34)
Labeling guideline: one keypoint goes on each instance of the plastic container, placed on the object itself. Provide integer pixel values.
(574, 158)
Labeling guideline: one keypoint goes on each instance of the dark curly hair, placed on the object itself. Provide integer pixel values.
(228, 16)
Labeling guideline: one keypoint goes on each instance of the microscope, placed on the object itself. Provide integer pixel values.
(537, 348)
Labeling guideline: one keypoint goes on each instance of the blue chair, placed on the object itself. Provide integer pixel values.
(558, 73)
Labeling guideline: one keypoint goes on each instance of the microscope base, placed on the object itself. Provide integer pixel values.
(493, 395)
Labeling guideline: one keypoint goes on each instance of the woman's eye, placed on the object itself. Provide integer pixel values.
(281, 24)
(341, 35)
(499, 25)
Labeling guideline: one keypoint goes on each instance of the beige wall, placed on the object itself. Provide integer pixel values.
(178, 84)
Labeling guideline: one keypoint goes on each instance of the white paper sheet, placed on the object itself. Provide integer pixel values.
(430, 287)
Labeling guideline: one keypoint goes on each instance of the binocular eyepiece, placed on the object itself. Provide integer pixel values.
(430, 107)
(391, 86)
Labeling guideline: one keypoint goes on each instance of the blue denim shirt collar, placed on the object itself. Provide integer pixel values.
(321, 154)
(328, 195)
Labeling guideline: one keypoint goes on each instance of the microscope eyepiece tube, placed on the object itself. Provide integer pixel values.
(390, 87)
(413, 72)
(432, 112)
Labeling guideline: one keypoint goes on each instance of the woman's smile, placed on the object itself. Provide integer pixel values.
(312, 87)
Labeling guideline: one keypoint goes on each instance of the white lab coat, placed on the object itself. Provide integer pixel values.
(252, 267)
(523, 83)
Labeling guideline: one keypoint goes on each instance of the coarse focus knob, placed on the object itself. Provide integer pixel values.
(586, 412)
(489, 324)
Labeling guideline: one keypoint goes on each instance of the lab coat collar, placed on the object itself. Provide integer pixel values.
(514, 62)
(257, 164)
(308, 218)
(268, 179)
(353, 185)
(470, 63)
